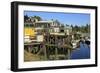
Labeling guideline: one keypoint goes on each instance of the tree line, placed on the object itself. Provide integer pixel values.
(83, 29)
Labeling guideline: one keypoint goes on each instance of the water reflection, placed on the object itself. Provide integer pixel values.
(83, 52)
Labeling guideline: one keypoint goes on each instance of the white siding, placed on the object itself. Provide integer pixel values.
(39, 38)
(56, 29)
(27, 39)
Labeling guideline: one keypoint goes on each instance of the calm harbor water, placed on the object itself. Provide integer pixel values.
(83, 52)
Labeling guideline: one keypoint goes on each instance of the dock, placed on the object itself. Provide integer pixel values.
(54, 47)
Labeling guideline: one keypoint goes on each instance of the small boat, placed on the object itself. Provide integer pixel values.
(87, 42)
(82, 41)
(74, 44)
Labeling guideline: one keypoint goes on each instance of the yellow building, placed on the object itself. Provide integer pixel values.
(29, 34)
(29, 31)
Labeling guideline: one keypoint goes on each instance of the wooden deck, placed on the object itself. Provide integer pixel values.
(47, 53)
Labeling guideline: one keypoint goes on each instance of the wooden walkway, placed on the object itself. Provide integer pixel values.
(46, 50)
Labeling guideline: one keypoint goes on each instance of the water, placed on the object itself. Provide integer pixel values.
(83, 52)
